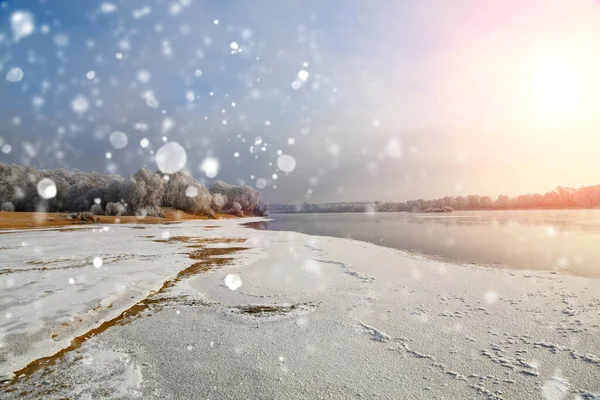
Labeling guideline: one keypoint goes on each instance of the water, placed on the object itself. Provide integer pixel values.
(554, 240)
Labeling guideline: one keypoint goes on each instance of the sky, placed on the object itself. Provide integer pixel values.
(317, 101)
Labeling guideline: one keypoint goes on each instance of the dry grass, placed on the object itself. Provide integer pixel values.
(32, 220)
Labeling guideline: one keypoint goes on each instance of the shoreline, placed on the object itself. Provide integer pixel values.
(17, 220)
(353, 304)
(433, 257)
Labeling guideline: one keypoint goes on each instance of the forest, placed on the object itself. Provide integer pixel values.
(25, 188)
(559, 198)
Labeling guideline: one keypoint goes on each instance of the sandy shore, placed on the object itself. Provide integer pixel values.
(313, 317)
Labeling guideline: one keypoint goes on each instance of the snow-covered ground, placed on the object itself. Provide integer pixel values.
(314, 317)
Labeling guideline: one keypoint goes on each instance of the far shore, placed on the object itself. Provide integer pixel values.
(33, 220)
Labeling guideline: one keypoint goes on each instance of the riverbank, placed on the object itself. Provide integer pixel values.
(285, 315)
(33, 220)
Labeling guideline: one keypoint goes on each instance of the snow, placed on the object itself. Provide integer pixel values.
(233, 282)
(191, 191)
(210, 167)
(286, 163)
(118, 140)
(46, 188)
(61, 40)
(108, 8)
(303, 75)
(143, 76)
(22, 24)
(14, 75)
(171, 157)
(80, 104)
(97, 262)
(315, 317)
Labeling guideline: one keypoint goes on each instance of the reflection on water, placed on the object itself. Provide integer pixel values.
(557, 240)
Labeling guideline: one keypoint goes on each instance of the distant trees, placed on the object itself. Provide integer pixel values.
(248, 199)
(116, 209)
(7, 206)
(561, 197)
(143, 194)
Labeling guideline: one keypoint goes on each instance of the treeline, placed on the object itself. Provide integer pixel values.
(561, 197)
(25, 188)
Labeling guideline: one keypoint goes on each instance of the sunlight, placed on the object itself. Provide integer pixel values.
(557, 85)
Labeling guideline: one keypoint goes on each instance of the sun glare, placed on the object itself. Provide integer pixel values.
(557, 85)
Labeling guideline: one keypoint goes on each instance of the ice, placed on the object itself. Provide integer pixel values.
(14, 75)
(22, 24)
(90, 75)
(118, 140)
(171, 157)
(46, 188)
(144, 143)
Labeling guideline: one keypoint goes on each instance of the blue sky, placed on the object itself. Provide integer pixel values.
(395, 105)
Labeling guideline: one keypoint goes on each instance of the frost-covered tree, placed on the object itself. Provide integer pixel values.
(236, 209)
(219, 200)
(116, 209)
(248, 198)
(7, 206)
(143, 194)
(145, 191)
(183, 192)
(97, 209)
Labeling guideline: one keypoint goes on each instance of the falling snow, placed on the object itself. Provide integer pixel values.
(210, 167)
(14, 75)
(286, 163)
(46, 188)
(233, 282)
(171, 158)
(22, 24)
(118, 140)
(80, 104)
